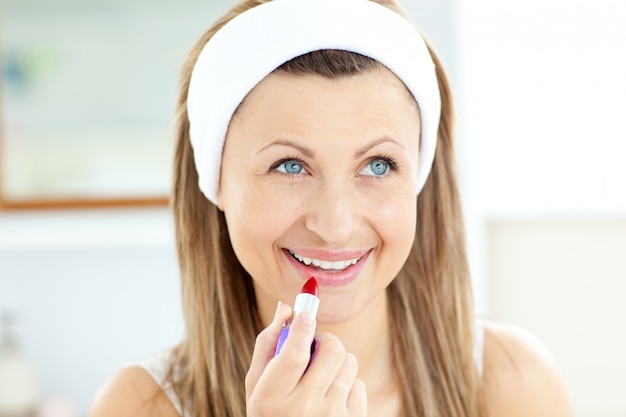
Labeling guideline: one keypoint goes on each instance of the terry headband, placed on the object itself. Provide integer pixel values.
(256, 42)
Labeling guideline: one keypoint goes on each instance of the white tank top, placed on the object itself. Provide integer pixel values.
(158, 365)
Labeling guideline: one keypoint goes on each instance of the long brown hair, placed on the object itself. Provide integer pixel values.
(432, 313)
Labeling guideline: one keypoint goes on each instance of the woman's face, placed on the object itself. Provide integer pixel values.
(318, 180)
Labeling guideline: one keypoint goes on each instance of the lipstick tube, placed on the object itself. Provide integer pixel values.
(307, 300)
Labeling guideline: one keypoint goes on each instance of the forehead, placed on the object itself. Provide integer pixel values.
(323, 112)
(374, 91)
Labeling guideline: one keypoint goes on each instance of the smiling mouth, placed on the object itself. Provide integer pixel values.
(325, 265)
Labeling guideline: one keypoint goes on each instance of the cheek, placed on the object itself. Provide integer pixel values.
(257, 211)
(257, 218)
(396, 224)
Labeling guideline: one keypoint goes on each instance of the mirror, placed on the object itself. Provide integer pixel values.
(88, 94)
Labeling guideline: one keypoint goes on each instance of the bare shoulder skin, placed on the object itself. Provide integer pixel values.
(520, 376)
(131, 391)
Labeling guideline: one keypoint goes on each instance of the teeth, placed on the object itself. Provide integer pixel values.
(336, 265)
(326, 265)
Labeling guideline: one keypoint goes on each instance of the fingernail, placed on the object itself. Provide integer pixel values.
(280, 303)
(306, 317)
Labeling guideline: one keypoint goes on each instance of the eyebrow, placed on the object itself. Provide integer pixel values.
(310, 154)
(284, 142)
(375, 143)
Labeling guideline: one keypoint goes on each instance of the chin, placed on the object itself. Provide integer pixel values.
(336, 313)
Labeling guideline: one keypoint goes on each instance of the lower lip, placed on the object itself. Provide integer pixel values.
(328, 278)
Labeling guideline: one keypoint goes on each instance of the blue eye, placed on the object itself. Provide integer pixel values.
(290, 166)
(377, 167)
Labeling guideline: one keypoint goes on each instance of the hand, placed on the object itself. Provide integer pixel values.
(278, 386)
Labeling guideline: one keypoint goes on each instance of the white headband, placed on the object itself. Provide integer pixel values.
(256, 42)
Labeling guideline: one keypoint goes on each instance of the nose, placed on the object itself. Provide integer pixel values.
(332, 213)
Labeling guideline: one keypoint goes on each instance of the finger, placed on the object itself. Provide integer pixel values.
(327, 361)
(289, 365)
(264, 346)
(344, 381)
(357, 400)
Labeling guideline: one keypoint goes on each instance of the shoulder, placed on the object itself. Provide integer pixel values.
(520, 376)
(131, 391)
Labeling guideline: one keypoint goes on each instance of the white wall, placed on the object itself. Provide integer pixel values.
(545, 94)
(90, 291)
(564, 280)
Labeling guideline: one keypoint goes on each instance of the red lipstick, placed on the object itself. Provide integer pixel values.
(307, 300)
(310, 287)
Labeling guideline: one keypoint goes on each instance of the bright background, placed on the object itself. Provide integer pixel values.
(545, 142)
(540, 88)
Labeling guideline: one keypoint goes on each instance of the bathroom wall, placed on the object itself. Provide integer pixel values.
(564, 279)
(89, 291)
(544, 97)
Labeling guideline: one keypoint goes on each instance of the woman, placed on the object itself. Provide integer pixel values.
(297, 158)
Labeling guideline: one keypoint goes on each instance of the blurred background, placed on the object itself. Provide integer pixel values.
(88, 91)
